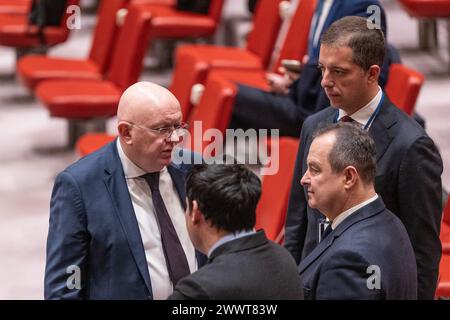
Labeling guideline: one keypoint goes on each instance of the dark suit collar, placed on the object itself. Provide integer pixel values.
(117, 187)
(240, 244)
(178, 179)
(363, 213)
(380, 127)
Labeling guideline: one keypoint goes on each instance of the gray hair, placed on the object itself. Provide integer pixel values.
(353, 147)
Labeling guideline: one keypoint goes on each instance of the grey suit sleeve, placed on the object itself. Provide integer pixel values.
(420, 209)
(344, 277)
(189, 289)
(67, 242)
(297, 218)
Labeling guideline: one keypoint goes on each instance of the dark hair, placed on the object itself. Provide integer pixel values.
(353, 147)
(367, 44)
(227, 195)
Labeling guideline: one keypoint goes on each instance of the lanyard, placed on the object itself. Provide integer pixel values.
(372, 117)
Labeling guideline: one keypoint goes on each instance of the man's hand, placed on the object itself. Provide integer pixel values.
(279, 84)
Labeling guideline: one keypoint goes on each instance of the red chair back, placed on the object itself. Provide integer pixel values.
(271, 210)
(105, 33)
(403, 87)
(130, 48)
(266, 24)
(446, 216)
(295, 45)
(214, 110)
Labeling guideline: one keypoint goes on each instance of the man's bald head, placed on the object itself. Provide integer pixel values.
(142, 99)
(144, 108)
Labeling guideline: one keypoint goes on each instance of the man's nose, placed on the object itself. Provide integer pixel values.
(174, 137)
(326, 82)
(305, 179)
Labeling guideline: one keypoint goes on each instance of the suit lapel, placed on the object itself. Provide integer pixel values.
(380, 128)
(118, 190)
(178, 178)
(365, 212)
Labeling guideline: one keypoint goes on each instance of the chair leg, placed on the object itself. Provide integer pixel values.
(428, 38)
(76, 128)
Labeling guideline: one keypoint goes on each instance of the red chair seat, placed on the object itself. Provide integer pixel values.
(220, 57)
(443, 288)
(35, 68)
(16, 32)
(167, 22)
(79, 99)
(427, 8)
(15, 6)
(91, 142)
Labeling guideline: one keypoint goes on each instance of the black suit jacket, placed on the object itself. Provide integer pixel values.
(408, 179)
(368, 256)
(251, 267)
(93, 228)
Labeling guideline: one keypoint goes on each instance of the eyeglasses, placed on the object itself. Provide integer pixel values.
(166, 132)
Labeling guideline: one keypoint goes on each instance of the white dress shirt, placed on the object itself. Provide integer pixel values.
(344, 215)
(148, 224)
(363, 115)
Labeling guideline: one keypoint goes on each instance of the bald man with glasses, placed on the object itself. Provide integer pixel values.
(117, 227)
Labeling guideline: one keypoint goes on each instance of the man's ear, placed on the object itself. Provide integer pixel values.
(195, 214)
(350, 177)
(124, 132)
(374, 73)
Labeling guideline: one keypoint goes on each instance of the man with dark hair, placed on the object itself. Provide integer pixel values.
(290, 103)
(365, 252)
(409, 166)
(242, 263)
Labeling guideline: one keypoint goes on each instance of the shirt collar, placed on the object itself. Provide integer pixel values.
(362, 116)
(229, 237)
(130, 169)
(344, 215)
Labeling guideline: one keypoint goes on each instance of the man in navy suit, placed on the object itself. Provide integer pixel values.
(365, 251)
(117, 227)
(292, 102)
(409, 165)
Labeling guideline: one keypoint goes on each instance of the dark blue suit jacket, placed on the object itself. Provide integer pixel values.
(93, 226)
(408, 179)
(339, 267)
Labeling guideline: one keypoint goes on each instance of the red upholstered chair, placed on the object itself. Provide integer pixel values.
(427, 12)
(194, 62)
(91, 142)
(443, 288)
(427, 8)
(168, 23)
(271, 210)
(15, 31)
(15, 6)
(445, 229)
(84, 100)
(403, 87)
(32, 69)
